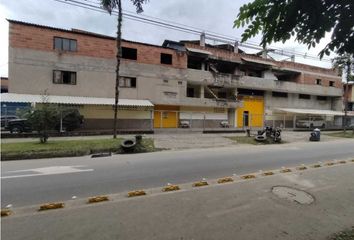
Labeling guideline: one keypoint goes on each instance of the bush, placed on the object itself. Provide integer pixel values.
(42, 120)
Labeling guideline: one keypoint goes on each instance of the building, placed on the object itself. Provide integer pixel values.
(189, 81)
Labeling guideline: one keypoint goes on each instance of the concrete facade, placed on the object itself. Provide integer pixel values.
(206, 84)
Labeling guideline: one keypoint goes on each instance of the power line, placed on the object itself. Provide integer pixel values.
(187, 29)
(222, 38)
(230, 39)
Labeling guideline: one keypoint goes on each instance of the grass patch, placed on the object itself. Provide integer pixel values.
(347, 134)
(251, 140)
(67, 148)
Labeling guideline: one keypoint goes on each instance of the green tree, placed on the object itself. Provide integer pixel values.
(43, 119)
(307, 20)
(110, 5)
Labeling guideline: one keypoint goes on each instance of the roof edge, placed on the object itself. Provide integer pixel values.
(80, 32)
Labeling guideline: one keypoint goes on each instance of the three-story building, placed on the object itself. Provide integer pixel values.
(160, 86)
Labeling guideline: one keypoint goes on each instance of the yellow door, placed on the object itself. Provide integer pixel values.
(166, 116)
(252, 112)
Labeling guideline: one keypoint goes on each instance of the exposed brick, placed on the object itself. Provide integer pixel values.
(40, 38)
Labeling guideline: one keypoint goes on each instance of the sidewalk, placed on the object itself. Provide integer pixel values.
(240, 210)
(176, 141)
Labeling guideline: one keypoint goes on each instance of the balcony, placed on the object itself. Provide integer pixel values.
(291, 87)
(208, 78)
(233, 81)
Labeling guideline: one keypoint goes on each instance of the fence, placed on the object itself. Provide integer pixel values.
(206, 121)
(101, 117)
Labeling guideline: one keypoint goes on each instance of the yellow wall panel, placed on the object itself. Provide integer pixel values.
(166, 116)
(255, 108)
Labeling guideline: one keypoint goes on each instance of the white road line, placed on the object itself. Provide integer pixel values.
(55, 170)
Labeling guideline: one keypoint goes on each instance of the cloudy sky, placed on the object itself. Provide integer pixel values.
(210, 15)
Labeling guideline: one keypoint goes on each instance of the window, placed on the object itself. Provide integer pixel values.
(304, 96)
(318, 81)
(322, 98)
(64, 77)
(190, 92)
(194, 63)
(331, 83)
(166, 58)
(249, 92)
(65, 44)
(127, 82)
(180, 83)
(165, 81)
(164, 115)
(280, 94)
(129, 53)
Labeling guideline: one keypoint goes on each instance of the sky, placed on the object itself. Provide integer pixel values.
(209, 15)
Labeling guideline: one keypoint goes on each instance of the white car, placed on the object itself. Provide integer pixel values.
(311, 123)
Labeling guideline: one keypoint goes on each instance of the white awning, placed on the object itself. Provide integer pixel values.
(73, 100)
(311, 111)
(259, 61)
(200, 51)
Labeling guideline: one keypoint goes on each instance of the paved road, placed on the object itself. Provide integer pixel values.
(30, 182)
(240, 210)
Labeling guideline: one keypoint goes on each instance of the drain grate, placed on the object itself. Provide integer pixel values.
(293, 194)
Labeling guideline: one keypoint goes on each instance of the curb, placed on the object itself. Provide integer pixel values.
(285, 170)
(270, 173)
(170, 188)
(6, 212)
(248, 176)
(200, 184)
(97, 199)
(136, 193)
(225, 180)
(51, 206)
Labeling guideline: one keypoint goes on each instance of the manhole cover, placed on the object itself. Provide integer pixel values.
(293, 195)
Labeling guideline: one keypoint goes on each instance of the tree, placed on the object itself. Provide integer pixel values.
(109, 6)
(43, 118)
(308, 21)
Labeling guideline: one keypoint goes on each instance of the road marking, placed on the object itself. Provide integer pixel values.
(47, 171)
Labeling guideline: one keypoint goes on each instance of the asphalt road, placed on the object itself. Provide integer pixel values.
(30, 182)
(240, 210)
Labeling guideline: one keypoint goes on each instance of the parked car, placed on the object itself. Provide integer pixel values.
(5, 119)
(224, 124)
(71, 121)
(311, 123)
(184, 124)
(19, 126)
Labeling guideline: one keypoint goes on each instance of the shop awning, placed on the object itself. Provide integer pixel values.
(258, 61)
(310, 111)
(72, 100)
